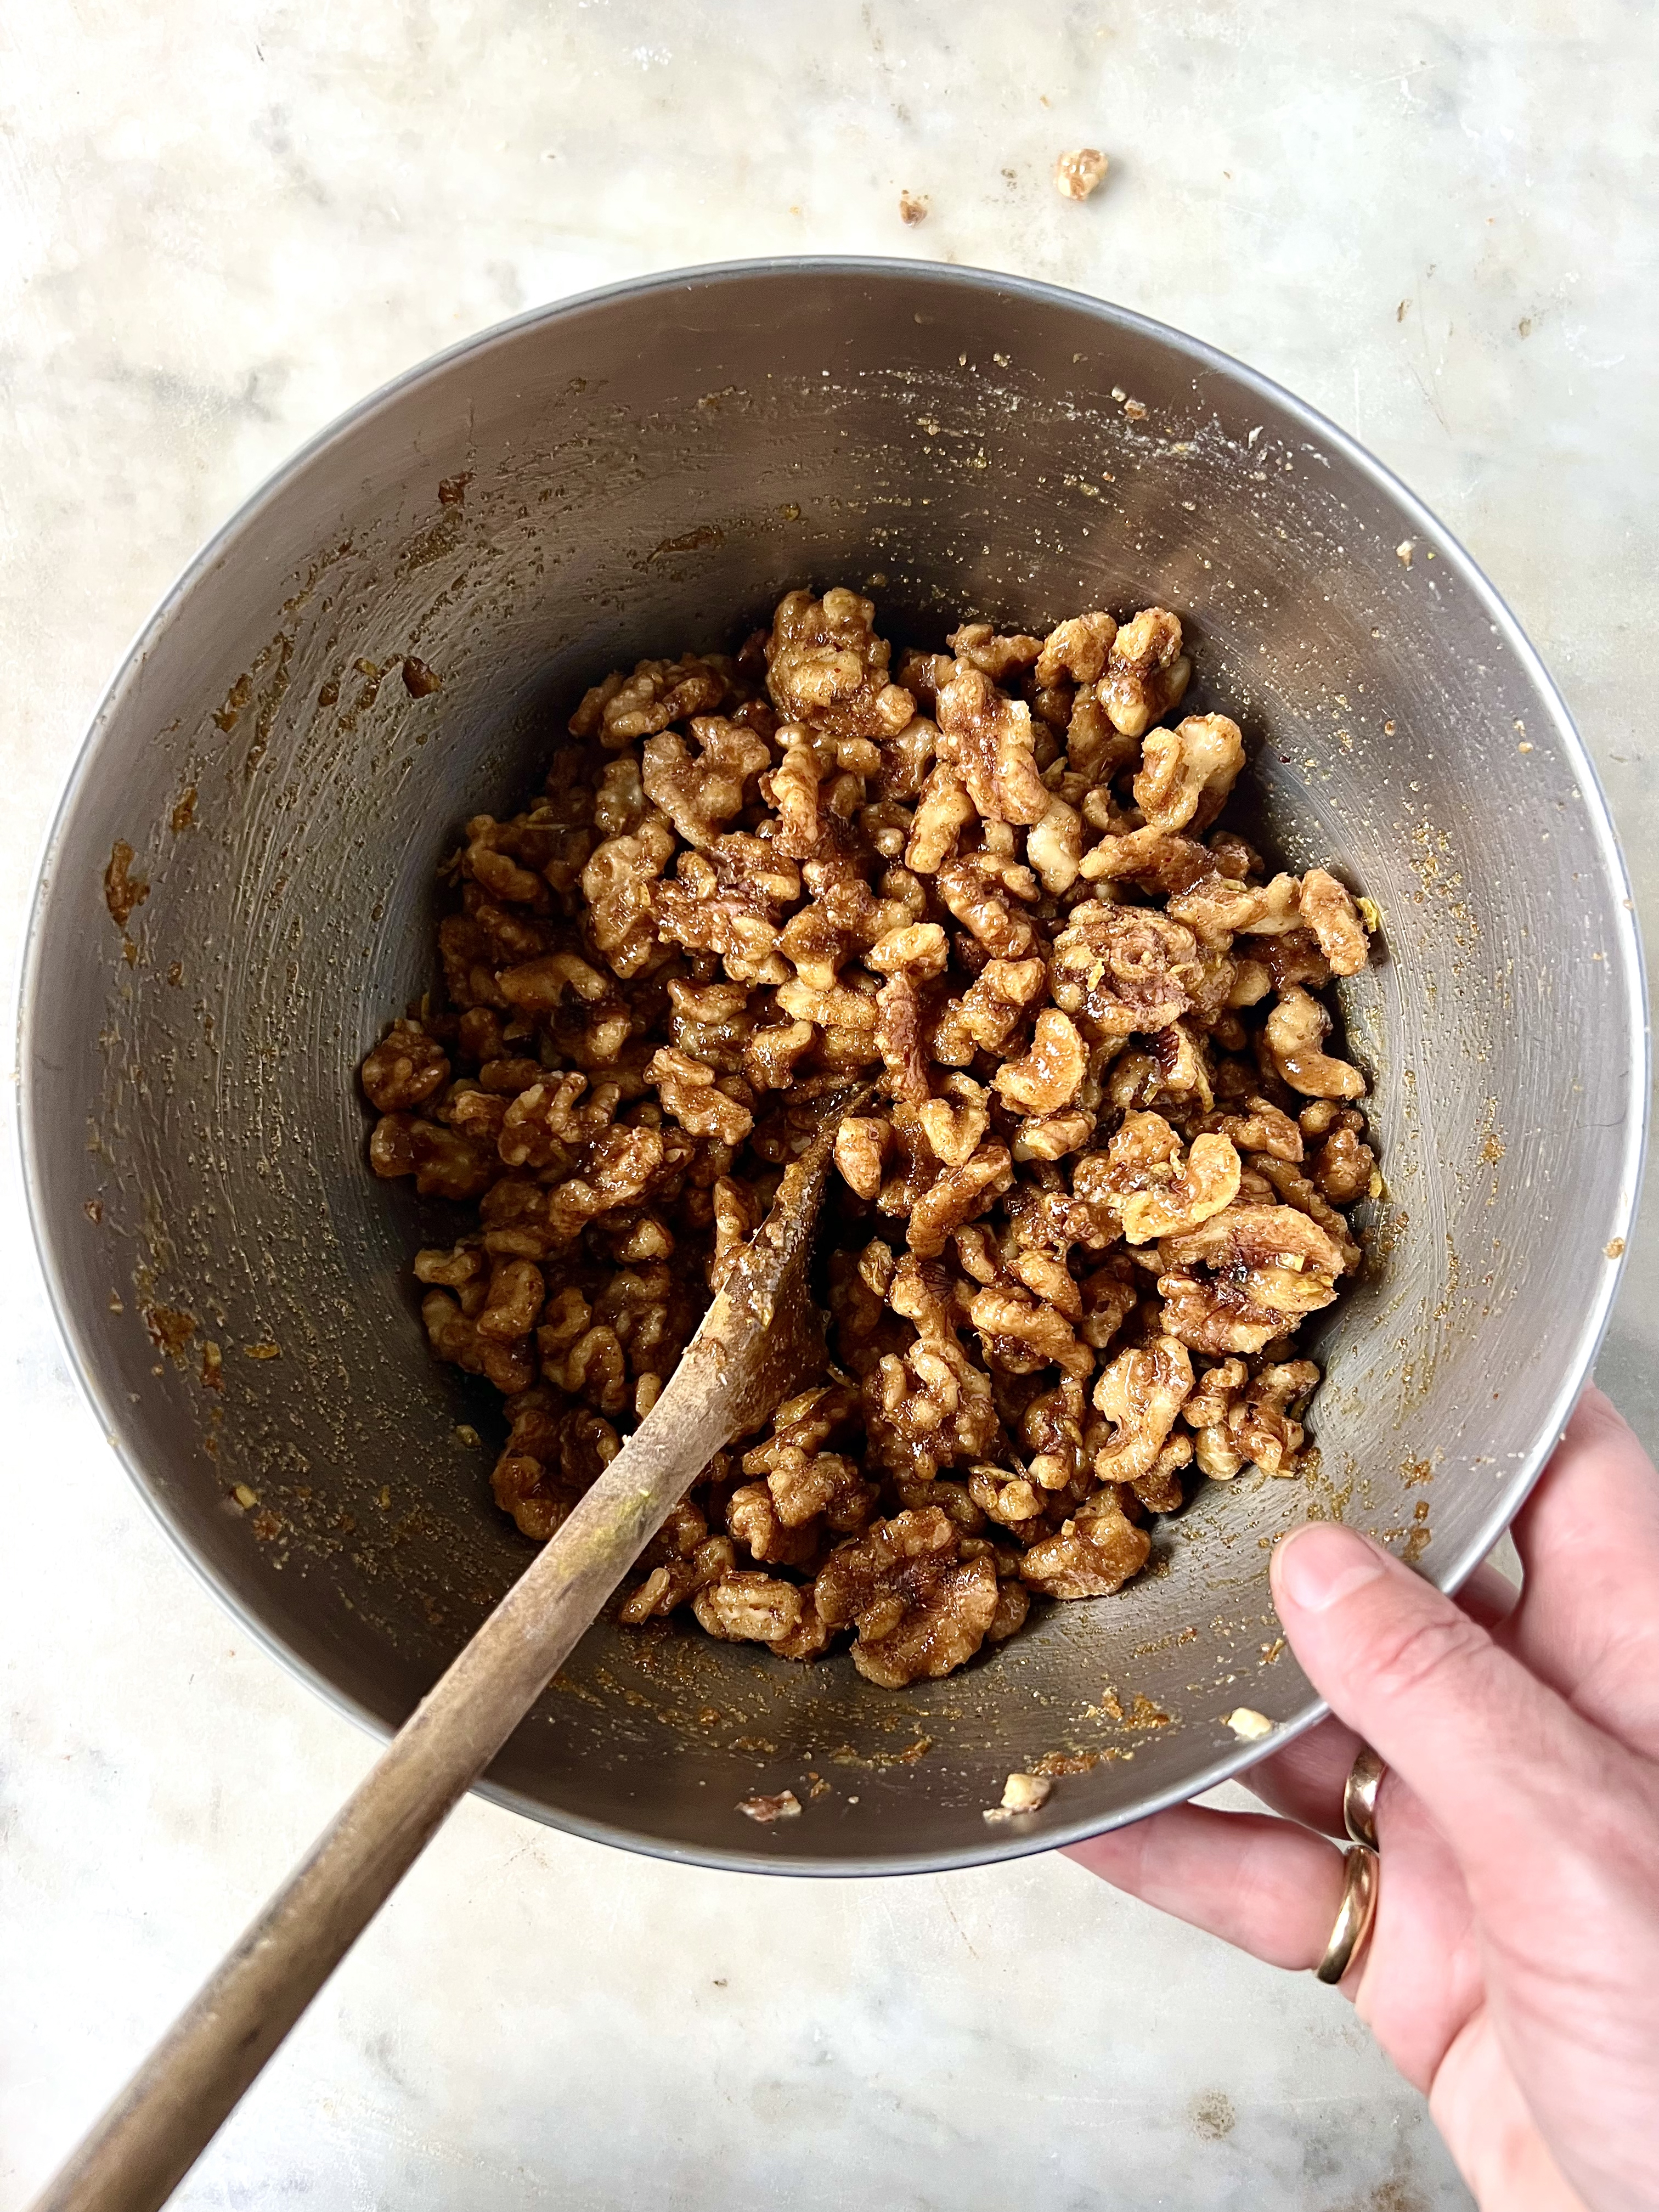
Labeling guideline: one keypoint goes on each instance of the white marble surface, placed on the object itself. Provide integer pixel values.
(219, 224)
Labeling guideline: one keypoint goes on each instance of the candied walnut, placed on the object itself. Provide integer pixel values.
(987, 737)
(1219, 908)
(1055, 846)
(1128, 967)
(826, 667)
(793, 791)
(404, 1069)
(733, 917)
(804, 1480)
(1260, 1127)
(842, 1007)
(1343, 1167)
(1014, 1603)
(1096, 749)
(737, 1215)
(929, 1409)
(922, 673)
(958, 1195)
(1289, 1183)
(1009, 1500)
(701, 1102)
(773, 1054)
(514, 1303)
(1091, 1555)
(464, 1264)
(619, 803)
(1183, 1073)
(1254, 1237)
(899, 1039)
(551, 1458)
(617, 883)
(1295, 1034)
(905, 765)
(489, 861)
(658, 692)
(1175, 1194)
(1213, 1394)
(743, 1607)
(677, 1580)
(711, 1022)
(995, 656)
(1271, 1265)
(1260, 1424)
(1328, 909)
(943, 811)
(1047, 1077)
(861, 1143)
(1161, 1490)
(700, 795)
(444, 1162)
(956, 1122)
(538, 986)
(1146, 671)
(1186, 773)
(1049, 1278)
(1293, 959)
(542, 1123)
(1076, 649)
(391, 1147)
(1052, 1136)
(918, 948)
(1141, 1392)
(919, 1610)
(976, 889)
(1051, 1431)
(1020, 1334)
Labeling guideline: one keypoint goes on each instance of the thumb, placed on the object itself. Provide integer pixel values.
(1492, 1754)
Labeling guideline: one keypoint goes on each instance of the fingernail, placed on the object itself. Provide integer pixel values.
(1317, 1567)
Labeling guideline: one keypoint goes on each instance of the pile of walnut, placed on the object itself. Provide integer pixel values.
(1069, 1254)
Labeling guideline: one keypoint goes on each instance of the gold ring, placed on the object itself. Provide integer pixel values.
(1354, 1915)
(1359, 1798)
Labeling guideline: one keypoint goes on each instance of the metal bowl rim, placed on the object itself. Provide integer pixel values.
(1576, 1367)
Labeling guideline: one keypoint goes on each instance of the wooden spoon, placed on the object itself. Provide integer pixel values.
(762, 1339)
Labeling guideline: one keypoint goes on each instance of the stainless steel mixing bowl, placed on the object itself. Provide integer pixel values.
(649, 467)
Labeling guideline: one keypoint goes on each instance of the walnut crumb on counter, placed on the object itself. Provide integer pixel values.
(1080, 173)
(913, 207)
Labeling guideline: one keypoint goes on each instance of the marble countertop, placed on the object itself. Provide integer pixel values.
(219, 225)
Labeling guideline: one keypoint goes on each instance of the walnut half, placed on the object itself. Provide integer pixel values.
(919, 1608)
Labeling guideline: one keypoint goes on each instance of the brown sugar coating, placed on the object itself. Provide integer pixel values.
(1099, 1186)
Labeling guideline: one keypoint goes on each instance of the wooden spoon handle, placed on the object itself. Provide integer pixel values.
(139, 2151)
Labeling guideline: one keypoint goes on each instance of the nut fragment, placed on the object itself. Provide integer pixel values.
(1078, 174)
(1249, 1725)
(1026, 1793)
(785, 1806)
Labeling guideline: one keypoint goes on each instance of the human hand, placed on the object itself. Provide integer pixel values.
(1513, 1970)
